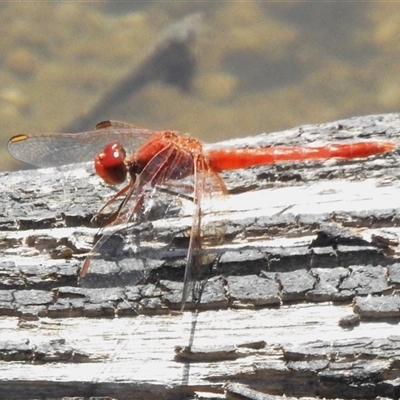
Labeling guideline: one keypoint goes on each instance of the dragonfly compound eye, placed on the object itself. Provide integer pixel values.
(110, 164)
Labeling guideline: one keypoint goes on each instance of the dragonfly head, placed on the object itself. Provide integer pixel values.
(110, 164)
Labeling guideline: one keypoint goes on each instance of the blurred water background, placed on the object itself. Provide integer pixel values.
(260, 66)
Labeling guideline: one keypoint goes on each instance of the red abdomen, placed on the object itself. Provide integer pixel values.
(226, 159)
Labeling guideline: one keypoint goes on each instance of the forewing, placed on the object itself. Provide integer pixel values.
(54, 149)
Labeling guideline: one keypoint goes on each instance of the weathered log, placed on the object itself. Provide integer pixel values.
(301, 301)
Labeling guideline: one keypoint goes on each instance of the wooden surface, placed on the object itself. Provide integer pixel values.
(302, 301)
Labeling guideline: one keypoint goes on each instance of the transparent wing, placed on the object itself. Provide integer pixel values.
(53, 149)
(208, 189)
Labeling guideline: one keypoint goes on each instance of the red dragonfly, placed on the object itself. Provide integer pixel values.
(161, 160)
